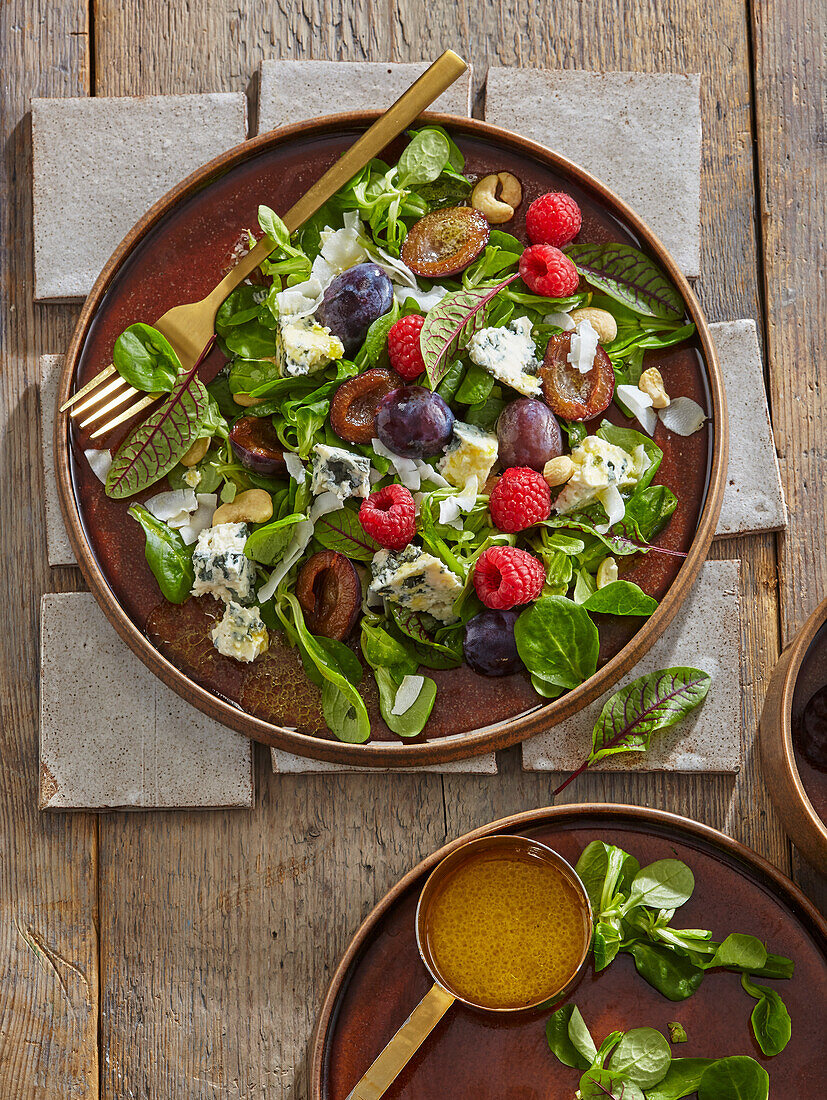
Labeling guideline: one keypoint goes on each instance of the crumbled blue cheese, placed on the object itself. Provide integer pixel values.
(337, 470)
(241, 634)
(192, 477)
(470, 452)
(416, 580)
(304, 346)
(219, 564)
(509, 354)
(597, 465)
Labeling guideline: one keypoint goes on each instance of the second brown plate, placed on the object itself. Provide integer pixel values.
(471, 1057)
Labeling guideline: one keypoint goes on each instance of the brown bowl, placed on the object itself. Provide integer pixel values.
(793, 783)
(164, 260)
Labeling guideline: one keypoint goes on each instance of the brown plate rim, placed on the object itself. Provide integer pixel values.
(798, 815)
(459, 746)
(684, 826)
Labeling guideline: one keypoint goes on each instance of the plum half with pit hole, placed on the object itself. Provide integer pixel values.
(353, 301)
(414, 422)
(445, 242)
(256, 445)
(528, 434)
(330, 593)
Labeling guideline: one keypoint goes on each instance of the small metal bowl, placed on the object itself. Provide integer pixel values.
(788, 683)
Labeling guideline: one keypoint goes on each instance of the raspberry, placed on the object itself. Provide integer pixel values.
(505, 576)
(519, 499)
(403, 347)
(389, 516)
(554, 218)
(545, 270)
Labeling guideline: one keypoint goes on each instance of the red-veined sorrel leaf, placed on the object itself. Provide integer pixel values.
(624, 273)
(451, 324)
(342, 531)
(641, 708)
(159, 442)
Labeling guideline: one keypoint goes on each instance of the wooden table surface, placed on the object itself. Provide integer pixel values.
(183, 955)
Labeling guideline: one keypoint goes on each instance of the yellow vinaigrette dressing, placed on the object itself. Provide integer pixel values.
(507, 929)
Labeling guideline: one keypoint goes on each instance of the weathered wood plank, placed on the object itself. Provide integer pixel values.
(48, 865)
(790, 42)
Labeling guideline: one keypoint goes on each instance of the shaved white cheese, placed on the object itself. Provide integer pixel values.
(642, 461)
(168, 506)
(302, 299)
(324, 503)
(342, 248)
(683, 416)
(428, 473)
(406, 468)
(451, 508)
(295, 466)
(99, 461)
(612, 501)
(425, 299)
(201, 518)
(584, 342)
(302, 534)
(375, 475)
(640, 404)
(182, 519)
(351, 220)
(449, 513)
(561, 320)
(407, 694)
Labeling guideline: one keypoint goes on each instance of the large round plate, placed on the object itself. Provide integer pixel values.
(177, 253)
(472, 1056)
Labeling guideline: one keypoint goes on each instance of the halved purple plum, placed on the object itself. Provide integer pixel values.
(256, 445)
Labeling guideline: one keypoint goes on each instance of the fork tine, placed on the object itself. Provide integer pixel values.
(109, 407)
(108, 390)
(96, 381)
(127, 414)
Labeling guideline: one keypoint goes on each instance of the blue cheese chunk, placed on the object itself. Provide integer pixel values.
(598, 465)
(416, 580)
(509, 354)
(337, 470)
(304, 346)
(220, 567)
(241, 634)
(470, 451)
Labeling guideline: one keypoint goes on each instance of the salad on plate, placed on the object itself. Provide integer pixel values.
(406, 463)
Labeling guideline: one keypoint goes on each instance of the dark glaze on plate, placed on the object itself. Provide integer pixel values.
(812, 678)
(180, 260)
(470, 1056)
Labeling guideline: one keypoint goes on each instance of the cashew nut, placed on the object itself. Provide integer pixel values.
(196, 452)
(651, 382)
(557, 471)
(246, 401)
(607, 572)
(601, 321)
(252, 506)
(484, 197)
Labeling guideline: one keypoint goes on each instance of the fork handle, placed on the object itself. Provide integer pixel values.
(421, 94)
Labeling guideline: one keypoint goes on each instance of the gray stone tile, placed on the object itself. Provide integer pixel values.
(99, 164)
(58, 549)
(295, 90)
(286, 762)
(705, 634)
(753, 498)
(112, 736)
(639, 133)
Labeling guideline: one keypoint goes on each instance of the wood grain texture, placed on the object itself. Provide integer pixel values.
(48, 865)
(790, 39)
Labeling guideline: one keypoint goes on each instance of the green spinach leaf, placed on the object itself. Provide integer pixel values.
(168, 557)
(770, 1019)
(145, 359)
(642, 1056)
(557, 641)
(736, 1078)
(620, 598)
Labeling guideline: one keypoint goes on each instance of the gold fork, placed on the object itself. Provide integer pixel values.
(189, 328)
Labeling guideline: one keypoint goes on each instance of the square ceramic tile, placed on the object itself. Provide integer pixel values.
(112, 736)
(58, 549)
(705, 634)
(99, 164)
(293, 90)
(639, 133)
(753, 498)
(285, 762)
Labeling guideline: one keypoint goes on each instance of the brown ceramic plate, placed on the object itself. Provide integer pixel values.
(471, 1056)
(798, 789)
(177, 253)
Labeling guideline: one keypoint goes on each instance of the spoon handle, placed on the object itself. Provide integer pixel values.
(405, 1043)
